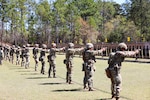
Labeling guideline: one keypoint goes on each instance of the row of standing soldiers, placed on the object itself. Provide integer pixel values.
(9, 52)
(88, 55)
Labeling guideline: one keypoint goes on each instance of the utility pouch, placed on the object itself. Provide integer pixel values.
(108, 74)
(64, 61)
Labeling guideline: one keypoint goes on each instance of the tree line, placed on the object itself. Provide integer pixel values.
(77, 21)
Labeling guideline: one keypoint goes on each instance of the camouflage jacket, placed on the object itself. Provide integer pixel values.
(89, 55)
(70, 53)
(116, 58)
(52, 53)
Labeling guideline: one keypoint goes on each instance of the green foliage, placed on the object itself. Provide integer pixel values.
(140, 14)
(75, 20)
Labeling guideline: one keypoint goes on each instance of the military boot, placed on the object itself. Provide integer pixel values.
(67, 78)
(54, 75)
(91, 89)
(117, 98)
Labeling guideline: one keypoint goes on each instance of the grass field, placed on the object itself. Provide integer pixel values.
(18, 83)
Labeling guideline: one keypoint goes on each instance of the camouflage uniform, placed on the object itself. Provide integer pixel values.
(11, 53)
(89, 68)
(51, 59)
(1, 55)
(22, 56)
(69, 61)
(35, 55)
(115, 62)
(18, 56)
(27, 56)
(42, 58)
(7, 53)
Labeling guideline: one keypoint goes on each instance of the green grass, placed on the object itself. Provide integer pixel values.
(18, 83)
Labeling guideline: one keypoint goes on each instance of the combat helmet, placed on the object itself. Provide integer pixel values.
(44, 46)
(122, 46)
(27, 45)
(53, 44)
(70, 45)
(36, 45)
(89, 45)
(23, 46)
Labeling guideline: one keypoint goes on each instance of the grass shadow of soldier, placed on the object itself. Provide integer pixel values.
(30, 74)
(68, 90)
(15, 68)
(50, 83)
(36, 78)
(104, 99)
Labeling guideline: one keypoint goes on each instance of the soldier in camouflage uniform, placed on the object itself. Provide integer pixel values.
(7, 52)
(18, 55)
(1, 55)
(35, 55)
(51, 59)
(113, 70)
(22, 56)
(88, 66)
(69, 61)
(27, 56)
(11, 53)
(42, 58)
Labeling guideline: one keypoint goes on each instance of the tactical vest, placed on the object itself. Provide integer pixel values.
(69, 54)
(115, 60)
(42, 53)
(12, 52)
(35, 51)
(89, 56)
(52, 52)
(17, 52)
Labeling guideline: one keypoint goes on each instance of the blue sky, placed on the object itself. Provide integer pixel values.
(119, 1)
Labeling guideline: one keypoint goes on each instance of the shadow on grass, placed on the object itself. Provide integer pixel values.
(13, 68)
(30, 74)
(24, 71)
(50, 83)
(104, 99)
(36, 77)
(67, 90)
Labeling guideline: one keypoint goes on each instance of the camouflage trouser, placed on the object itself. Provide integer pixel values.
(12, 59)
(36, 62)
(52, 67)
(85, 75)
(90, 79)
(85, 79)
(115, 83)
(43, 67)
(90, 73)
(27, 62)
(69, 67)
(7, 57)
(17, 60)
(23, 61)
(1, 60)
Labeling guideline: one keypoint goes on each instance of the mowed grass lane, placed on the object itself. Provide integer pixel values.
(18, 83)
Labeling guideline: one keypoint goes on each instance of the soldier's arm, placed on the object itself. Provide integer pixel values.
(59, 49)
(98, 51)
(79, 49)
(129, 53)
